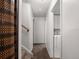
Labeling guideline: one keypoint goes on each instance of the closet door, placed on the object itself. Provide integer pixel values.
(8, 30)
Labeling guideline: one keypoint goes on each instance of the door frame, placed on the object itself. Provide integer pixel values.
(19, 14)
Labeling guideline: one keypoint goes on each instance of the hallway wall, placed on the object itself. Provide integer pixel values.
(49, 33)
(70, 29)
(27, 20)
(39, 29)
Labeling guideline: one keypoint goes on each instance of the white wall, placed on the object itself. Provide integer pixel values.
(39, 30)
(70, 29)
(54, 50)
(27, 20)
(49, 33)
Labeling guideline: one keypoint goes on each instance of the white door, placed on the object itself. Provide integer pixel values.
(70, 29)
(39, 30)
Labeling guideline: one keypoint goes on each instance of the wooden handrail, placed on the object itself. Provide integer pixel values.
(25, 28)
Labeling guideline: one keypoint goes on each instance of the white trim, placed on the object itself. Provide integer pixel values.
(20, 28)
(61, 20)
(27, 50)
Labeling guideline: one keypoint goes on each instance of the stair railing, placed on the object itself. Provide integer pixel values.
(25, 28)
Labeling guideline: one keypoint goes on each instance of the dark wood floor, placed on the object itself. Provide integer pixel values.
(39, 52)
(54, 58)
(25, 54)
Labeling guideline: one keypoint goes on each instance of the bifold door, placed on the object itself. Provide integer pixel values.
(8, 30)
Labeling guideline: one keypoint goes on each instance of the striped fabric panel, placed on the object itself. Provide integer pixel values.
(7, 41)
(7, 30)
(6, 53)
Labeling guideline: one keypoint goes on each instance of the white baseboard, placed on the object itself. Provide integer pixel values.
(27, 49)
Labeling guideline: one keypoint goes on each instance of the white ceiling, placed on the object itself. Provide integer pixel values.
(39, 7)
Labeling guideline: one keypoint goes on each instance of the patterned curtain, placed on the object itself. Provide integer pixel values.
(8, 30)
